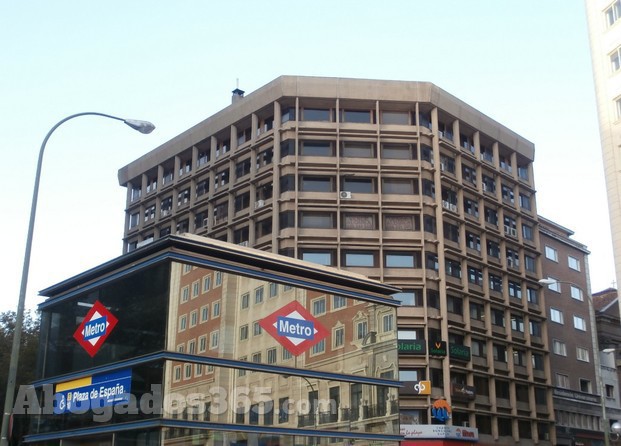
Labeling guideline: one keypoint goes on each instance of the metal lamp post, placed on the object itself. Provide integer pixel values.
(598, 375)
(141, 126)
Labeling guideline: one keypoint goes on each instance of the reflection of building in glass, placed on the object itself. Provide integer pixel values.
(217, 345)
(222, 315)
(401, 182)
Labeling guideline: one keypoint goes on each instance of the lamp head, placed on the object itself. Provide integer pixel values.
(142, 126)
(547, 281)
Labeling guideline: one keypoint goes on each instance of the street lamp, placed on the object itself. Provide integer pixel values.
(598, 375)
(141, 126)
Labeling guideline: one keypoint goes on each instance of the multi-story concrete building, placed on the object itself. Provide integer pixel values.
(401, 182)
(574, 359)
(605, 37)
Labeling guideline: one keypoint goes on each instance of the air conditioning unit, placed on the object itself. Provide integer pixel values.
(244, 243)
(513, 232)
(453, 207)
(259, 204)
(442, 167)
(485, 187)
(507, 229)
(446, 204)
(205, 222)
(345, 195)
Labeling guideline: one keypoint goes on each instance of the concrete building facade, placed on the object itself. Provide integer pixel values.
(572, 335)
(398, 181)
(604, 24)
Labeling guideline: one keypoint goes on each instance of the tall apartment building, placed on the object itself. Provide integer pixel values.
(605, 37)
(572, 336)
(401, 182)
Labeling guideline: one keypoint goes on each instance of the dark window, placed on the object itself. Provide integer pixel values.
(429, 224)
(358, 185)
(395, 117)
(287, 148)
(361, 116)
(242, 168)
(316, 148)
(402, 186)
(242, 201)
(358, 150)
(263, 227)
(287, 219)
(316, 114)
(316, 184)
(287, 183)
(397, 151)
(317, 220)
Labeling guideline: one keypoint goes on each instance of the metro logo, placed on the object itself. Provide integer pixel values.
(95, 328)
(294, 327)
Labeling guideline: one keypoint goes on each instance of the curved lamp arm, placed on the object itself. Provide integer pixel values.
(141, 126)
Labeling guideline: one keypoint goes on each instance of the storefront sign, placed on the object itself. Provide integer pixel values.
(459, 352)
(463, 392)
(411, 347)
(437, 348)
(436, 431)
(95, 328)
(105, 389)
(415, 388)
(294, 327)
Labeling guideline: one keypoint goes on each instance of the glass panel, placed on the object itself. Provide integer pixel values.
(276, 316)
(140, 300)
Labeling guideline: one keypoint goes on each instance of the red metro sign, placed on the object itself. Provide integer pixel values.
(95, 328)
(294, 327)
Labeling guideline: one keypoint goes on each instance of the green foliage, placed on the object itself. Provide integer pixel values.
(26, 369)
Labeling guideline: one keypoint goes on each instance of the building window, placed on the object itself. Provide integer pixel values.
(215, 312)
(535, 328)
(134, 219)
(613, 13)
(562, 381)
(529, 263)
(202, 344)
(399, 186)
(359, 221)
(531, 295)
(358, 185)
(204, 313)
(585, 385)
(395, 117)
(358, 150)
(538, 363)
(388, 323)
(272, 356)
(256, 328)
(243, 332)
(500, 355)
(491, 216)
(556, 316)
(573, 263)
(338, 337)
(579, 323)
(193, 318)
(576, 293)
(397, 151)
(582, 354)
(321, 220)
(273, 287)
(455, 305)
(453, 268)
(316, 148)
(245, 301)
(615, 60)
(401, 260)
(477, 311)
(361, 329)
(493, 249)
(319, 306)
(401, 223)
(360, 259)
(185, 293)
(473, 241)
(183, 322)
(215, 336)
(515, 289)
(319, 257)
(471, 207)
(551, 253)
(316, 184)
(475, 276)
(316, 114)
(319, 347)
(527, 232)
(495, 283)
(206, 283)
(517, 323)
(338, 302)
(554, 286)
(358, 116)
(258, 295)
(559, 347)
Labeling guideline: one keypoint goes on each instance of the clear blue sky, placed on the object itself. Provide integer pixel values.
(524, 63)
